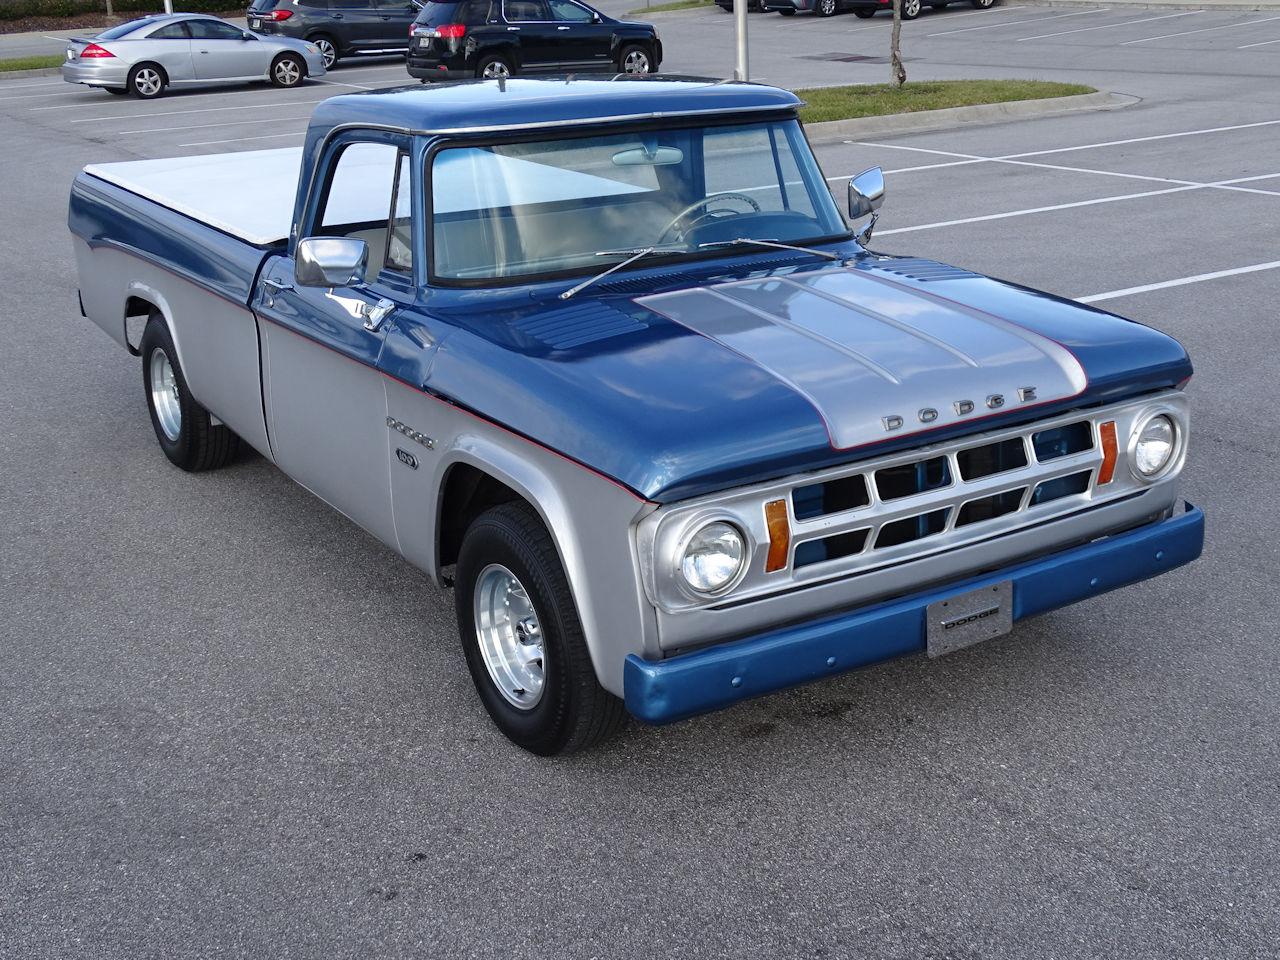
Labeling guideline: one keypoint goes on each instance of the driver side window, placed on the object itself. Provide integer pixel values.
(369, 198)
(569, 12)
(213, 30)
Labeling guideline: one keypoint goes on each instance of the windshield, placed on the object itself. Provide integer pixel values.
(565, 206)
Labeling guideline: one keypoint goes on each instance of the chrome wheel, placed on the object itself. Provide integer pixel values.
(910, 9)
(288, 73)
(827, 8)
(148, 82)
(636, 61)
(327, 50)
(510, 637)
(495, 70)
(164, 395)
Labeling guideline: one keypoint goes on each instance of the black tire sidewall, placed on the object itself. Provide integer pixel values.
(302, 70)
(491, 539)
(626, 50)
(133, 89)
(156, 336)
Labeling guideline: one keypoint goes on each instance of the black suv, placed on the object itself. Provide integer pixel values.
(452, 39)
(340, 28)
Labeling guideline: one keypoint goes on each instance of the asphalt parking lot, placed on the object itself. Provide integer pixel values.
(235, 725)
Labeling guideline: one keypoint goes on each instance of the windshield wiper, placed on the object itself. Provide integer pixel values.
(773, 244)
(638, 253)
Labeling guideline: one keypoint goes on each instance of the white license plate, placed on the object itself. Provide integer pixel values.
(424, 39)
(968, 618)
(255, 24)
(71, 54)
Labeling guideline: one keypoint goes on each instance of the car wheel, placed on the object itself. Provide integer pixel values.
(827, 8)
(494, 67)
(288, 70)
(328, 49)
(864, 13)
(147, 81)
(187, 434)
(634, 59)
(910, 9)
(983, 4)
(522, 638)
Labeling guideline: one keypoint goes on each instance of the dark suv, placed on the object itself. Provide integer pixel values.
(340, 28)
(452, 39)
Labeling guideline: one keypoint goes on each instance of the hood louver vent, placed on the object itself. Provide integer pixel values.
(579, 324)
(914, 268)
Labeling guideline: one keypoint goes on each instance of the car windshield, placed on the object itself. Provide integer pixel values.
(567, 206)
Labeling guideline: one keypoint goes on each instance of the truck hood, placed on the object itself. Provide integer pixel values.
(680, 392)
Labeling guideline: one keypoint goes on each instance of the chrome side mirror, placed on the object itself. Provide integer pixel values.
(866, 193)
(247, 36)
(331, 262)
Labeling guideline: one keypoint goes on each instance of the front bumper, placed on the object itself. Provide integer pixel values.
(683, 686)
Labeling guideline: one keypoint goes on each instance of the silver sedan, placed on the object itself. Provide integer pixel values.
(144, 57)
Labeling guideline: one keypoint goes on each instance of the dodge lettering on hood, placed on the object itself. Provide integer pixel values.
(609, 359)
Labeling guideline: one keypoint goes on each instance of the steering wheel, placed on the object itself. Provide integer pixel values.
(726, 195)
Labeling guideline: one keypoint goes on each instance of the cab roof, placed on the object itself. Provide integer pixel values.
(485, 106)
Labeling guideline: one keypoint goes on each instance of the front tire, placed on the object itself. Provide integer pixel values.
(635, 58)
(827, 8)
(288, 70)
(494, 67)
(523, 640)
(147, 81)
(184, 429)
(983, 4)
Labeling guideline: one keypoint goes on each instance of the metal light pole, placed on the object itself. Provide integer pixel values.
(741, 71)
(168, 6)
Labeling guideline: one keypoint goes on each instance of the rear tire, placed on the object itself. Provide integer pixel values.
(288, 70)
(495, 67)
(147, 81)
(509, 573)
(635, 58)
(328, 49)
(910, 9)
(864, 13)
(186, 433)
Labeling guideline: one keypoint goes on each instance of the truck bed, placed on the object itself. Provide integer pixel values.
(248, 195)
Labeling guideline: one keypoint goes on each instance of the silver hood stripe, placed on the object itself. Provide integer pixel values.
(866, 350)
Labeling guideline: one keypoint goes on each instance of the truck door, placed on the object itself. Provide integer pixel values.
(580, 40)
(325, 399)
(531, 22)
(359, 24)
(220, 51)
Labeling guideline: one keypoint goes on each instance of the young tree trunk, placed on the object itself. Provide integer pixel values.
(110, 11)
(897, 72)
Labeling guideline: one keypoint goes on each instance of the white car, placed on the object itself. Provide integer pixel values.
(146, 56)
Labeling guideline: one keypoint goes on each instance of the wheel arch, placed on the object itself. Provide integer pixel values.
(302, 62)
(140, 302)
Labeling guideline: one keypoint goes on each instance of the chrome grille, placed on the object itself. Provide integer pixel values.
(878, 513)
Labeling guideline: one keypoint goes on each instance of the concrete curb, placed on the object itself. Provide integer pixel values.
(40, 72)
(959, 116)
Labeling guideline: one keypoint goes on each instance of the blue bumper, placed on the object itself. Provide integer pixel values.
(667, 690)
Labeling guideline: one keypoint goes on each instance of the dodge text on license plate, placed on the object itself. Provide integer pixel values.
(968, 618)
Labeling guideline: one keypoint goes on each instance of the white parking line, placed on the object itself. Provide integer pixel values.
(1045, 153)
(183, 113)
(223, 92)
(206, 126)
(335, 83)
(1262, 44)
(270, 136)
(1070, 206)
(44, 96)
(1180, 282)
(1108, 26)
(989, 26)
(1224, 26)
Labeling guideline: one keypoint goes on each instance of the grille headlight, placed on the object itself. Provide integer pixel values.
(713, 558)
(1153, 450)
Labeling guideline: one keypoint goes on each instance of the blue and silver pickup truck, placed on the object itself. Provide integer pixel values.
(607, 358)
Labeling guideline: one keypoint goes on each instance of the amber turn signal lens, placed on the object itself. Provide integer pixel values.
(1107, 431)
(775, 514)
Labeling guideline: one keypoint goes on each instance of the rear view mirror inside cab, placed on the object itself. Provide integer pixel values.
(648, 156)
